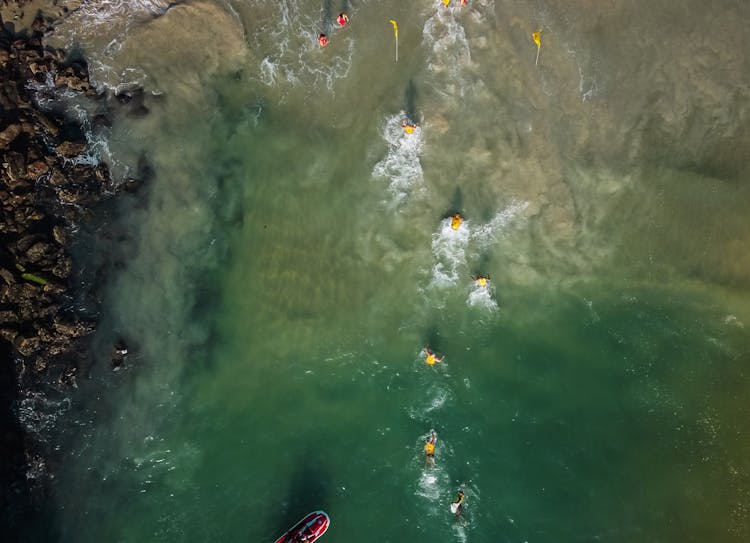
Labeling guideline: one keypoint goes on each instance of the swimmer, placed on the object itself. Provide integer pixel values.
(429, 449)
(431, 358)
(456, 221)
(482, 280)
(342, 19)
(408, 127)
(323, 40)
(457, 506)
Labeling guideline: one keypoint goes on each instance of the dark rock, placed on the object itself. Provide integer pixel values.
(119, 354)
(15, 168)
(72, 81)
(56, 177)
(74, 330)
(72, 195)
(9, 134)
(7, 276)
(101, 120)
(8, 334)
(70, 149)
(36, 169)
(53, 288)
(27, 345)
(11, 93)
(60, 234)
(25, 242)
(7, 316)
(131, 185)
(62, 268)
(40, 364)
(135, 100)
(52, 128)
(44, 198)
(58, 348)
(125, 97)
(39, 252)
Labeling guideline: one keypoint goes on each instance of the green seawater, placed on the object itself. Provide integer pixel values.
(291, 258)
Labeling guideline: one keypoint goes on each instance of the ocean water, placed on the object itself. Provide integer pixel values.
(293, 256)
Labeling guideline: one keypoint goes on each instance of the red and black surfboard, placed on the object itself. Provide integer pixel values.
(308, 529)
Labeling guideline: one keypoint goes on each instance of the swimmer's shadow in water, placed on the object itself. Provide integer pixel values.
(410, 99)
(456, 204)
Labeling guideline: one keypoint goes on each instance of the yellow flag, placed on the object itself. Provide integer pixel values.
(537, 37)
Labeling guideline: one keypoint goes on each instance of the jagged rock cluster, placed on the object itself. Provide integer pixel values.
(44, 192)
(47, 190)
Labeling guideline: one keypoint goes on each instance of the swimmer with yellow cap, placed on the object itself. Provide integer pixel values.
(408, 127)
(429, 449)
(456, 221)
(431, 358)
(482, 280)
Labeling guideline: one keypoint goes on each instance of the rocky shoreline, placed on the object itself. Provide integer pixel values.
(48, 189)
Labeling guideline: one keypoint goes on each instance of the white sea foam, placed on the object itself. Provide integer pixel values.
(111, 18)
(48, 96)
(433, 485)
(485, 235)
(449, 252)
(38, 413)
(448, 52)
(435, 399)
(438, 399)
(401, 166)
(460, 532)
(453, 249)
(733, 321)
(481, 297)
(268, 71)
(291, 53)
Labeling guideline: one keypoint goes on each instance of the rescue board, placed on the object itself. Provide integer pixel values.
(307, 530)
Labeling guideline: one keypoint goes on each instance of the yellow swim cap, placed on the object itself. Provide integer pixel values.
(482, 281)
(409, 128)
(431, 359)
(456, 221)
(429, 448)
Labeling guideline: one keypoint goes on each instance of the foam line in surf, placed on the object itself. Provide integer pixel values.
(401, 166)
